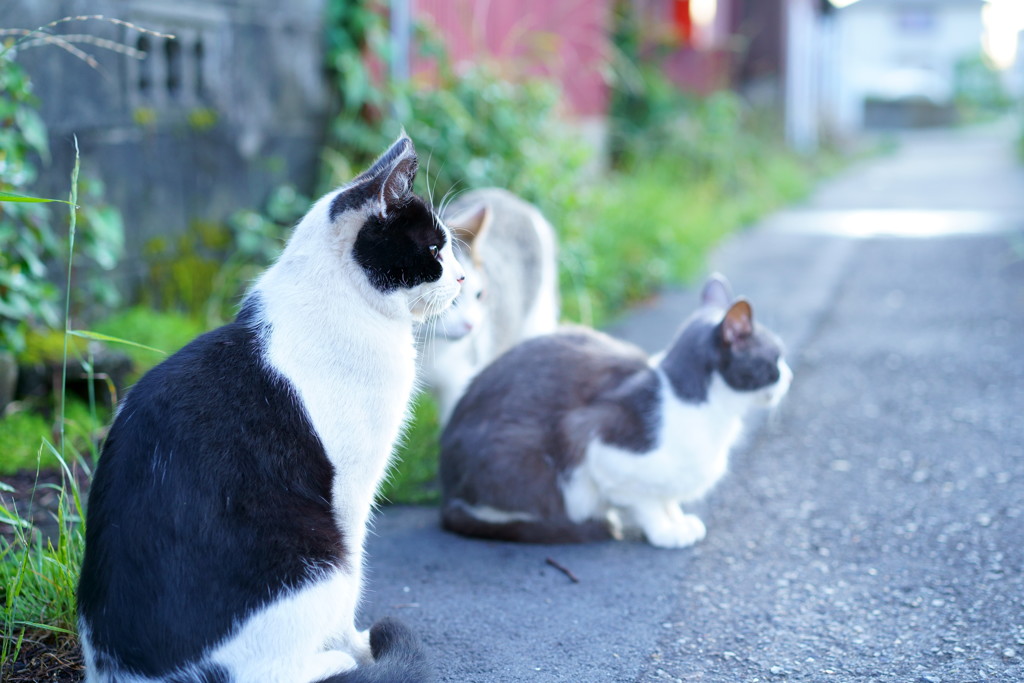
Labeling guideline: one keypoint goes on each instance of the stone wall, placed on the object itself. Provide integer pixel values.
(208, 123)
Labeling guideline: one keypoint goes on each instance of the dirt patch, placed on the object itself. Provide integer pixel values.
(36, 497)
(45, 661)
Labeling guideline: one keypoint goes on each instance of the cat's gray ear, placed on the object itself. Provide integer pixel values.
(716, 291)
(393, 174)
(471, 224)
(738, 322)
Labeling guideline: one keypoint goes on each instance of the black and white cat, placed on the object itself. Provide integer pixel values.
(229, 507)
(576, 436)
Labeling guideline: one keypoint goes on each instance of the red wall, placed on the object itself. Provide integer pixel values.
(563, 40)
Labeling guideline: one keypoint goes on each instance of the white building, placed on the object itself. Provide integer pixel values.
(902, 51)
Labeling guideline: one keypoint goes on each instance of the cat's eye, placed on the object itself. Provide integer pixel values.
(435, 251)
(480, 294)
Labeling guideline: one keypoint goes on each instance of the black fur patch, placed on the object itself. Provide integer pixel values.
(211, 498)
(395, 250)
(700, 350)
(362, 190)
(368, 184)
(690, 361)
(207, 674)
(751, 363)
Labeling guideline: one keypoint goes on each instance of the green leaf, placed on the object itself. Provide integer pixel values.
(106, 232)
(85, 334)
(12, 197)
(34, 130)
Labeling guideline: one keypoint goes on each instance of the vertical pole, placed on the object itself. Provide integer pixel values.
(401, 36)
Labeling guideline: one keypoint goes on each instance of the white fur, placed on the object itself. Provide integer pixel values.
(287, 639)
(690, 457)
(493, 515)
(464, 340)
(349, 352)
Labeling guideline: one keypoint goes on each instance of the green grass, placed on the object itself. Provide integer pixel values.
(163, 330)
(23, 436)
(22, 432)
(39, 579)
(642, 230)
(413, 476)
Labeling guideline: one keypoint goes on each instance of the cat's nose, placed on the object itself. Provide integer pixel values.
(460, 278)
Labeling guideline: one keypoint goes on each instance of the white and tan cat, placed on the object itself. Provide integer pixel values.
(229, 508)
(510, 255)
(576, 436)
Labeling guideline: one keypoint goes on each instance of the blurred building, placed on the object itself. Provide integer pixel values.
(772, 50)
(901, 60)
(775, 52)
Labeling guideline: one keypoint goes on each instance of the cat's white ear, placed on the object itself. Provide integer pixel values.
(738, 322)
(393, 174)
(716, 291)
(471, 224)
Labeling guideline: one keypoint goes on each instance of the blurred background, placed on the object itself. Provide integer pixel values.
(645, 129)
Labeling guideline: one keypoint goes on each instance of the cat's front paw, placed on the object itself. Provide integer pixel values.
(363, 652)
(683, 531)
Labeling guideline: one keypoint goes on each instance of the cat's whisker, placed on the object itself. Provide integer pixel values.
(426, 180)
(450, 196)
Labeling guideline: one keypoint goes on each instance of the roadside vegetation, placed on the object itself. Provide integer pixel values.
(683, 173)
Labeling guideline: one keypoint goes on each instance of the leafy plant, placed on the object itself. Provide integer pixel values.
(27, 239)
(205, 271)
(39, 580)
(481, 126)
(28, 234)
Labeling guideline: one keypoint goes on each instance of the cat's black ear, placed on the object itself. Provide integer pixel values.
(738, 323)
(471, 224)
(385, 185)
(393, 175)
(716, 291)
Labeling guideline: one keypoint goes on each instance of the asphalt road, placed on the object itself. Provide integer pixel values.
(871, 529)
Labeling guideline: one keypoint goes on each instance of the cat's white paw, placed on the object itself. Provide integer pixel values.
(363, 653)
(680, 532)
(353, 644)
(323, 665)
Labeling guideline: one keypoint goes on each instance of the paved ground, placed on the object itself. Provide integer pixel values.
(871, 529)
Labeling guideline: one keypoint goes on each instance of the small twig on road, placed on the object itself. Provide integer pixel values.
(565, 570)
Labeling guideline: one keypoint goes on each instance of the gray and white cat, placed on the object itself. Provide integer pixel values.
(229, 507)
(576, 436)
(509, 252)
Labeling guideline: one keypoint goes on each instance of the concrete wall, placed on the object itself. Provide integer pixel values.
(208, 123)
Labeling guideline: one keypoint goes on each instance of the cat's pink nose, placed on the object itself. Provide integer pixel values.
(460, 279)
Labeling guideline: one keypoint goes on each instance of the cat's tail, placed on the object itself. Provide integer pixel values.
(398, 657)
(458, 517)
